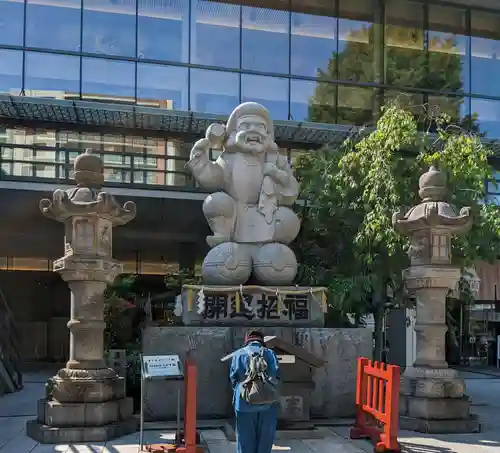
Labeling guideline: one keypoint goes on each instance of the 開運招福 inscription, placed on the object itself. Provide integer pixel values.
(251, 305)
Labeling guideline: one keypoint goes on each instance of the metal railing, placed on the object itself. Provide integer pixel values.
(47, 164)
(10, 357)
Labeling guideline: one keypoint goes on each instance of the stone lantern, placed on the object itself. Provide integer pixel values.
(86, 400)
(432, 395)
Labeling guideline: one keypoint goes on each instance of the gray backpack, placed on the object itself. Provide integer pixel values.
(258, 387)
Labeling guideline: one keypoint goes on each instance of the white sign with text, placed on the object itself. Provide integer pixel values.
(161, 366)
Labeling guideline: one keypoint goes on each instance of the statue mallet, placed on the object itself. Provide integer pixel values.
(216, 133)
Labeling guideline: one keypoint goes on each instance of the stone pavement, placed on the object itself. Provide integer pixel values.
(16, 409)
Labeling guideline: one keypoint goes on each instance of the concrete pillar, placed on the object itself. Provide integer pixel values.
(86, 400)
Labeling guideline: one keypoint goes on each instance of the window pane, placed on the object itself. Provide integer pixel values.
(356, 105)
(214, 91)
(485, 53)
(163, 30)
(11, 78)
(215, 26)
(312, 101)
(113, 79)
(162, 86)
(448, 44)
(271, 92)
(11, 22)
(50, 75)
(109, 27)
(265, 39)
(55, 25)
(356, 36)
(405, 59)
(488, 116)
(313, 43)
(455, 107)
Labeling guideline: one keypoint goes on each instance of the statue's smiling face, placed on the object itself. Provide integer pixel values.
(252, 134)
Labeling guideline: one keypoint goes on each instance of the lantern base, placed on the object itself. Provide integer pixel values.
(83, 409)
(434, 401)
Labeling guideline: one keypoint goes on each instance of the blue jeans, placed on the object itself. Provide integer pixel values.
(255, 431)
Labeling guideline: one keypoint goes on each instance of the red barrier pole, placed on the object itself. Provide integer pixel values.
(357, 431)
(389, 438)
(189, 407)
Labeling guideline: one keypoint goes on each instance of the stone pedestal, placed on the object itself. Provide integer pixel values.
(433, 396)
(434, 401)
(86, 400)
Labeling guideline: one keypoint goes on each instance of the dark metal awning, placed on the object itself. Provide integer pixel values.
(125, 118)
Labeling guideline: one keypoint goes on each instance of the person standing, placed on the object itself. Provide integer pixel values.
(255, 377)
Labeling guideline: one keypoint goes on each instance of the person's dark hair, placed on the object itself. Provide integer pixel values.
(254, 335)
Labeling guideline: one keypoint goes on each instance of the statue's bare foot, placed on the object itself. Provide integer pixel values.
(216, 239)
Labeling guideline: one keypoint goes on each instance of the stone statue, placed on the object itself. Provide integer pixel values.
(253, 185)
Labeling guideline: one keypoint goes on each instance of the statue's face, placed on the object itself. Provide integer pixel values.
(252, 134)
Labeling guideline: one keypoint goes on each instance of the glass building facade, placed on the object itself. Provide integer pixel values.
(323, 61)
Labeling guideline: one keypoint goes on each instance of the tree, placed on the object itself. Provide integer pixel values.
(347, 241)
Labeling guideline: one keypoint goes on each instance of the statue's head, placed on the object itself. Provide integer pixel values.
(250, 129)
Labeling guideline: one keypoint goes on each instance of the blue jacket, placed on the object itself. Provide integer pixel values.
(239, 368)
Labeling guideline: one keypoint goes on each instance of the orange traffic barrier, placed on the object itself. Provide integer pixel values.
(189, 437)
(377, 405)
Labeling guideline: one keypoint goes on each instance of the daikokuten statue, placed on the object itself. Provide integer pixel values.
(253, 185)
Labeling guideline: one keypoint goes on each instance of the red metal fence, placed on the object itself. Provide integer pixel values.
(377, 405)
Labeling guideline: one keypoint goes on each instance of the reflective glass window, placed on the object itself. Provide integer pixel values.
(265, 34)
(405, 58)
(410, 101)
(11, 69)
(356, 105)
(108, 80)
(163, 30)
(313, 41)
(485, 45)
(456, 107)
(214, 91)
(215, 34)
(11, 22)
(448, 45)
(49, 75)
(53, 25)
(109, 27)
(312, 101)
(162, 86)
(487, 114)
(357, 34)
(272, 92)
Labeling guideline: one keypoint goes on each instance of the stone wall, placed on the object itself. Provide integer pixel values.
(334, 392)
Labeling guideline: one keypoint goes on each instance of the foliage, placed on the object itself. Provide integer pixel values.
(175, 281)
(347, 242)
(120, 315)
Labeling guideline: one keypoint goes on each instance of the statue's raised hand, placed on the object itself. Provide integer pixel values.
(201, 147)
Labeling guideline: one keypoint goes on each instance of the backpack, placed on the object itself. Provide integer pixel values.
(258, 387)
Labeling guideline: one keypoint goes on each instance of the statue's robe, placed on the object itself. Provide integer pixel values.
(257, 197)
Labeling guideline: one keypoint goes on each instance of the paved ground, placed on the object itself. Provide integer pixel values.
(16, 409)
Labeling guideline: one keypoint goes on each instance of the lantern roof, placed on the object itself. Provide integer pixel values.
(433, 212)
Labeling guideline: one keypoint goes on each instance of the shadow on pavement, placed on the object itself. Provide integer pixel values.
(408, 447)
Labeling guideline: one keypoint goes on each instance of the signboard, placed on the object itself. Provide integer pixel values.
(286, 358)
(257, 307)
(161, 367)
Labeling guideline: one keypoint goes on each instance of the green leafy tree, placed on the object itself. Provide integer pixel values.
(347, 241)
